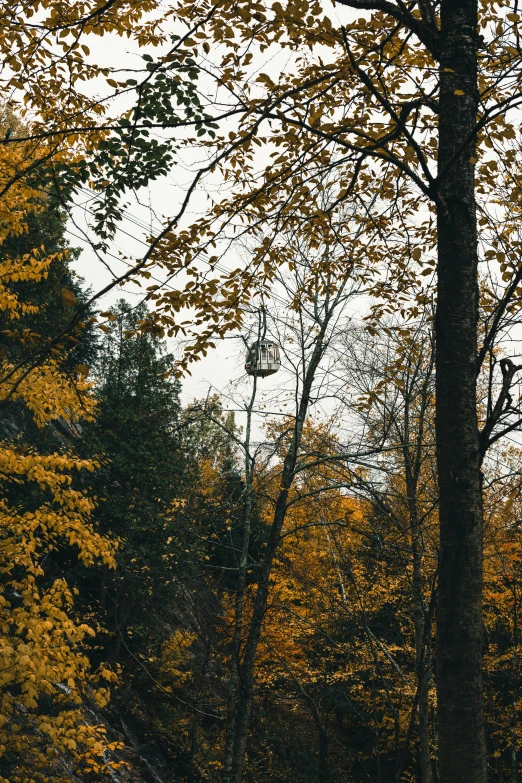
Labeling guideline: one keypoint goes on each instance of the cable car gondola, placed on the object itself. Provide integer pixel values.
(263, 359)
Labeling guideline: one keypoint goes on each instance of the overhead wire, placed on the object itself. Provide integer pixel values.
(141, 224)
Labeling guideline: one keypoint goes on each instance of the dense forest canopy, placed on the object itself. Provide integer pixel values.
(312, 574)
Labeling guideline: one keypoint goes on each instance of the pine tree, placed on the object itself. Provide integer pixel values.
(136, 435)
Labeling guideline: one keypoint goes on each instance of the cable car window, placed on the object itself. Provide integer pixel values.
(263, 359)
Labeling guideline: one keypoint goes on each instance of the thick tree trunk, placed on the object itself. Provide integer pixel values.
(462, 750)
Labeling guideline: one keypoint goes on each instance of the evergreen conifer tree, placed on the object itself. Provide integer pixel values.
(136, 436)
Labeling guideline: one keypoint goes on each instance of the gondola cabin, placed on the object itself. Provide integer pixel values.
(263, 358)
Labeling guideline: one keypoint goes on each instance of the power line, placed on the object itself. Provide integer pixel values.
(117, 258)
(140, 224)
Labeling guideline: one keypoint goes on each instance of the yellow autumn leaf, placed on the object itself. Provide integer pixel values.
(69, 298)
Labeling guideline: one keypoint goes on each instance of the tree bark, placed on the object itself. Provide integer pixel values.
(462, 748)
